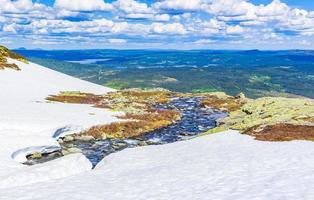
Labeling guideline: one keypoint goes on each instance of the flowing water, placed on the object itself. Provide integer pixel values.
(195, 120)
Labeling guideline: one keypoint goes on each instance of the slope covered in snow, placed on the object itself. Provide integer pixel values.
(223, 166)
(29, 123)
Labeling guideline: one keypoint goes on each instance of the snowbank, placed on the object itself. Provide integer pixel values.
(28, 123)
(221, 166)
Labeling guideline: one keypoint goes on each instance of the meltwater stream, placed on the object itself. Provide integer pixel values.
(195, 120)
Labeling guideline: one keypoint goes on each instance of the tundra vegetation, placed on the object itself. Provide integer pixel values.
(268, 118)
(139, 117)
(5, 53)
(273, 119)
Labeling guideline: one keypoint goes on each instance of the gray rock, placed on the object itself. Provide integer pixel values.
(74, 150)
(86, 138)
(68, 138)
(60, 141)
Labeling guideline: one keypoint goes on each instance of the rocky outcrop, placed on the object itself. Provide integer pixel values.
(274, 119)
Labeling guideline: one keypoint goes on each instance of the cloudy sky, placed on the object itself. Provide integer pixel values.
(178, 24)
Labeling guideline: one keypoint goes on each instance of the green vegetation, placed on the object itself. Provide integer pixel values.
(116, 84)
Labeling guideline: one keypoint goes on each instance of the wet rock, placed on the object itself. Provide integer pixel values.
(142, 143)
(86, 138)
(71, 151)
(36, 156)
(68, 138)
(194, 121)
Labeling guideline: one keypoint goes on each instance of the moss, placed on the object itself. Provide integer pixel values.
(270, 110)
(116, 84)
(214, 130)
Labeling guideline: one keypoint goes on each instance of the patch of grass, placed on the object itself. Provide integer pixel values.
(6, 53)
(116, 84)
(281, 132)
(136, 104)
(225, 103)
(136, 125)
(77, 98)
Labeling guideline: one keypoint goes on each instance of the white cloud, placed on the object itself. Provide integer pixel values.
(117, 41)
(233, 30)
(275, 8)
(82, 5)
(163, 20)
(190, 5)
(174, 28)
(304, 42)
(162, 17)
(132, 7)
(204, 41)
(18, 6)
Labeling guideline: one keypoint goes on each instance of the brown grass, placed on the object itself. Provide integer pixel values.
(6, 53)
(9, 66)
(138, 108)
(139, 125)
(77, 98)
(309, 119)
(281, 132)
(229, 104)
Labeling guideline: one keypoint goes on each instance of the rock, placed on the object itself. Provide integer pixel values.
(68, 138)
(241, 98)
(74, 150)
(86, 138)
(60, 141)
(36, 155)
(65, 152)
(142, 143)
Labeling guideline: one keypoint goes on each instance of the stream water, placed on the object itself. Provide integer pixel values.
(195, 120)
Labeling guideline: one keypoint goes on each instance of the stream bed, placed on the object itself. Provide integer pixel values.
(195, 120)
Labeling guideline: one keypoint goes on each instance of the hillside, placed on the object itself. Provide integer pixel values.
(28, 123)
(41, 107)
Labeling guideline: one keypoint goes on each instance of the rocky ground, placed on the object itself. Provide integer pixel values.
(267, 119)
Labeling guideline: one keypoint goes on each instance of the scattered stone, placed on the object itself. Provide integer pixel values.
(142, 143)
(86, 138)
(68, 138)
(35, 156)
(74, 150)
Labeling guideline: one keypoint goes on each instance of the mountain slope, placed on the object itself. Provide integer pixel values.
(223, 166)
(28, 123)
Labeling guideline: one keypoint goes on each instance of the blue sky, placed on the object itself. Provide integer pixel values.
(168, 24)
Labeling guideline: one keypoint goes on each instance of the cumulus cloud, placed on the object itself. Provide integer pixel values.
(234, 30)
(19, 6)
(82, 5)
(174, 28)
(117, 41)
(163, 21)
(191, 5)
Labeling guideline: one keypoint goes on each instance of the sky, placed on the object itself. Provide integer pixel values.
(157, 24)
